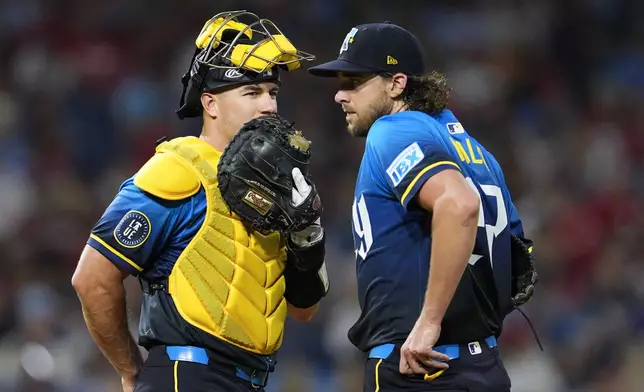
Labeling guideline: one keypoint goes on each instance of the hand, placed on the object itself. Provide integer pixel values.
(417, 353)
(128, 383)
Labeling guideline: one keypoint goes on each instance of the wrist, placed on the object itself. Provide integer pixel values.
(432, 317)
(308, 236)
(135, 363)
(307, 255)
(305, 288)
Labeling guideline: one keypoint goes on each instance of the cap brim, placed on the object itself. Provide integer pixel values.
(333, 68)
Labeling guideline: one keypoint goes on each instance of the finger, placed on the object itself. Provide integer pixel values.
(300, 182)
(413, 361)
(403, 366)
(430, 355)
(439, 356)
(416, 366)
(433, 359)
(430, 363)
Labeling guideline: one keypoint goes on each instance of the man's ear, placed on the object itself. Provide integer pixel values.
(397, 85)
(209, 104)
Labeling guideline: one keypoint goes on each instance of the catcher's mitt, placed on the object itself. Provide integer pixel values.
(524, 273)
(256, 180)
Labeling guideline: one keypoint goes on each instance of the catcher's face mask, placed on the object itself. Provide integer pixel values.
(232, 49)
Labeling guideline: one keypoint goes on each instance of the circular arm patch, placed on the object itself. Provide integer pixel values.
(133, 229)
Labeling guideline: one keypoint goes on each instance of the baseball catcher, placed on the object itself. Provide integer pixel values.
(222, 231)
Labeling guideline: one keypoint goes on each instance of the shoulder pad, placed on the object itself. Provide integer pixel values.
(167, 177)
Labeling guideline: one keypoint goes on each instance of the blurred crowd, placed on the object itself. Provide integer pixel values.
(555, 89)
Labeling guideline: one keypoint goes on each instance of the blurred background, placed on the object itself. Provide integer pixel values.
(553, 88)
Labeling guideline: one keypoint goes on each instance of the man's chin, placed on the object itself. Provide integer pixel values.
(355, 131)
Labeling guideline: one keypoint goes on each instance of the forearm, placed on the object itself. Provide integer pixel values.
(304, 289)
(453, 235)
(106, 318)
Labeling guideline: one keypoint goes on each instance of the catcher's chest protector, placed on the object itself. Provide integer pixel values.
(228, 282)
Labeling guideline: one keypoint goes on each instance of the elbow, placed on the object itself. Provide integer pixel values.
(302, 318)
(469, 207)
(95, 274)
(464, 207)
(302, 315)
(81, 283)
(89, 287)
(88, 283)
(77, 281)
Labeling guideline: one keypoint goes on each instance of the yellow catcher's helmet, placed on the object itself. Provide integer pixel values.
(235, 48)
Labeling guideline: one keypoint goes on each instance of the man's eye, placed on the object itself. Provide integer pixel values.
(350, 84)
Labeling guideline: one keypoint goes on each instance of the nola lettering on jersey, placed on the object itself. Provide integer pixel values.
(404, 162)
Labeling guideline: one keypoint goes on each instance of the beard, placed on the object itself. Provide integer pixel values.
(363, 121)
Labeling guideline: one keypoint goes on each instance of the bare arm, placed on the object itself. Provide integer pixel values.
(455, 208)
(99, 285)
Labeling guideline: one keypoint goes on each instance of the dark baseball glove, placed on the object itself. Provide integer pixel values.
(524, 273)
(256, 176)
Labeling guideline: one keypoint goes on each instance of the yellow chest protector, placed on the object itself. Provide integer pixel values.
(228, 281)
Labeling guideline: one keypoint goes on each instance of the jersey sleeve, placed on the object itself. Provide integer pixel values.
(134, 229)
(408, 152)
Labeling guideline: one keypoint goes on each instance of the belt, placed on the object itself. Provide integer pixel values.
(453, 351)
(257, 378)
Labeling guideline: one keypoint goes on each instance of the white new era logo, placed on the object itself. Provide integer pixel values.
(475, 348)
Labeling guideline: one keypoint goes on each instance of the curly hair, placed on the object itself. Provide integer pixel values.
(428, 93)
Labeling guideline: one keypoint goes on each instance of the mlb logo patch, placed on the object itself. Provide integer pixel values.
(475, 348)
(455, 128)
(404, 162)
